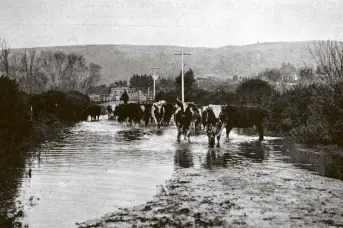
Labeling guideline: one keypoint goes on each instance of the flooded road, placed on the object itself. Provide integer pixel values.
(95, 168)
(100, 167)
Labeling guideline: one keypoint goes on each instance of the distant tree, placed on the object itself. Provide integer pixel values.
(272, 75)
(329, 59)
(254, 91)
(4, 56)
(141, 82)
(189, 80)
(306, 74)
(68, 72)
(165, 84)
(235, 78)
(100, 89)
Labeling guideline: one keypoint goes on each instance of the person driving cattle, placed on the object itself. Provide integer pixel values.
(124, 97)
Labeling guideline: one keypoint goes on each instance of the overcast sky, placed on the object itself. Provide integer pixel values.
(207, 23)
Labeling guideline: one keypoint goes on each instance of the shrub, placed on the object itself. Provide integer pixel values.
(254, 91)
(13, 115)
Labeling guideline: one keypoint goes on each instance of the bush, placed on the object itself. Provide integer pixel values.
(254, 91)
(13, 115)
(53, 105)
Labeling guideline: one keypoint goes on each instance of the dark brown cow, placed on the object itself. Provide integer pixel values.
(243, 117)
(94, 111)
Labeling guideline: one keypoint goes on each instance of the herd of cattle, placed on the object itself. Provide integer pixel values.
(188, 116)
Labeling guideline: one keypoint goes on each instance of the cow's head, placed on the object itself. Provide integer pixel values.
(223, 115)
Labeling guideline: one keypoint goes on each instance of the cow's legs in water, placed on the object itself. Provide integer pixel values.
(218, 136)
(260, 131)
(178, 133)
(228, 129)
(189, 135)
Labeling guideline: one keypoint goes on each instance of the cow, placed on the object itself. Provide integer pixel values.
(197, 118)
(94, 111)
(169, 110)
(243, 117)
(183, 117)
(109, 111)
(157, 112)
(213, 126)
(146, 113)
(204, 115)
(131, 112)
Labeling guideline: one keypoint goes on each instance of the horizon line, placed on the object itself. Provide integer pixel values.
(173, 45)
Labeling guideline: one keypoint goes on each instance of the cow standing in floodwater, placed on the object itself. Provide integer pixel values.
(157, 112)
(146, 113)
(183, 118)
(109, 111)
(169, 110)
(94, 111)
(243, 117)
(213, 126)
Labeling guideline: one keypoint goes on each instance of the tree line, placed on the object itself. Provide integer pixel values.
(38, 71)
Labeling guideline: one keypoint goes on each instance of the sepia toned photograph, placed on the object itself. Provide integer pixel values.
(171, 113)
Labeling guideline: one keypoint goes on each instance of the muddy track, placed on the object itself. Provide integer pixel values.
(246, 194)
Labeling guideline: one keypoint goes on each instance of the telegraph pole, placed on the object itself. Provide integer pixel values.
(155, 77)
(182, 77)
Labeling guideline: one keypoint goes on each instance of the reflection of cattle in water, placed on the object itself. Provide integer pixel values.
(94, 111)
(157, 112)
(184, 157)
(243, 117)
(213, 126)
(183, 118)
(217, 160)
(254, 150)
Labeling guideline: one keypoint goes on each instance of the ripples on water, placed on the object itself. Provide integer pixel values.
(93, 169)
(96, 167)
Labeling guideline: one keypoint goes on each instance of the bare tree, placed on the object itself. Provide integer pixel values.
(68, 72)
(28, 61)
(328, 56)
(4, 56)
(15, 68)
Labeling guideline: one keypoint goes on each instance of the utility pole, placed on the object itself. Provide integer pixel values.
(182, 77)
(155, 77)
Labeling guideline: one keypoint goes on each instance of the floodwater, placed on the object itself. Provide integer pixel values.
(97, 167)
(93, 169)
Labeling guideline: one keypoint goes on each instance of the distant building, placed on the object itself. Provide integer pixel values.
(134, 95)
(94, 97)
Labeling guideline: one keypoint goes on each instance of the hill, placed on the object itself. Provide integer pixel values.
(122, 61)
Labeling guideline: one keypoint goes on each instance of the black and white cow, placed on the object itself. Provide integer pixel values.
(213, 124)
(183, 117)
(157, 112)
